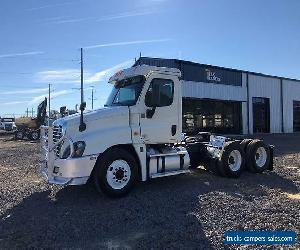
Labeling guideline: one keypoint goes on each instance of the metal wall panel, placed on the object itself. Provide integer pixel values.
(245, 105)
(260, 86)
(213, 91)
(291, 92)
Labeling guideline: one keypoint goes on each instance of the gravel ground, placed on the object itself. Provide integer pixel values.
(190, 211)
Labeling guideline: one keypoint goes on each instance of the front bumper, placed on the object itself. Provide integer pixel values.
(70, 171)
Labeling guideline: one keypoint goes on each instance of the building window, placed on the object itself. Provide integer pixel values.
(215, 116)
(261, 115)
(296, 113)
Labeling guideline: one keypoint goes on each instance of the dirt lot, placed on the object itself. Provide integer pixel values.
(190, 211)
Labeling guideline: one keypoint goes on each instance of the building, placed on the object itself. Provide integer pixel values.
(224, 100)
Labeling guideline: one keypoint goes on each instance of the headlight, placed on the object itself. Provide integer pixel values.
(79, 148)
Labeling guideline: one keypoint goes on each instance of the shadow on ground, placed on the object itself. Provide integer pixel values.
(158, 214)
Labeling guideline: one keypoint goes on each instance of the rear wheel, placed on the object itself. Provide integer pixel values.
(19, 135)
(34, 135)
(116, 173)
(258, 156)
(232, 160)
(244, 143)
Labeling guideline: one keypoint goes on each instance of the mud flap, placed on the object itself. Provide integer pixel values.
(271, 164)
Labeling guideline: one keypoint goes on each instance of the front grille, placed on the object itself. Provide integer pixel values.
(57, 134)
(8, 126)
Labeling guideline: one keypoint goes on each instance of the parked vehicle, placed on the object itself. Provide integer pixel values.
(8, 124)
(138, 136)
(30, 127)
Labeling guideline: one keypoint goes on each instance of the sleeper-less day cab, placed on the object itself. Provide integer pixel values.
(138, 136)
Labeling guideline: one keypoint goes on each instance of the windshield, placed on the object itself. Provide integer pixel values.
(126, 92)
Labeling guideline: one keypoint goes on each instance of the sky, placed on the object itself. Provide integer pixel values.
(40, 42)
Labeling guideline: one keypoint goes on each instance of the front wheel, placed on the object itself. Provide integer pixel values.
(116, 173)
(34, 135)
(19, 135)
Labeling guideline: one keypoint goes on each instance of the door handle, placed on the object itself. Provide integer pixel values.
(173, 130)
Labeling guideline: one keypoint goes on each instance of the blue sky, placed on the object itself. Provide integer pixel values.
(40, 42)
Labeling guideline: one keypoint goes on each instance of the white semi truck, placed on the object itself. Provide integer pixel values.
(138, 136)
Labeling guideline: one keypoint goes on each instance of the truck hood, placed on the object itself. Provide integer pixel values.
(91, 116)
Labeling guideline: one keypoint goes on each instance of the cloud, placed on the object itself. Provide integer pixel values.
(76, 20)
(50, 6)
(125, 15)
(53, 95)
(13, 103)
(59, 76)
(73, 75)
(105, 74)
(127, 43)
(25, 91)
(31, 53)
(67, 19)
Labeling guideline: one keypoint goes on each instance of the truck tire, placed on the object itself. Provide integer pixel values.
(34, 135)
(116, 173)
(232, 160)
(244, 143)
(258, 156)
(19, 135)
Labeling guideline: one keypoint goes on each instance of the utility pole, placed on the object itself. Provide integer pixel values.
(82, 125)
(32, 112)
(93, 99)
(81, 73)
(49, 102)
(27, 111)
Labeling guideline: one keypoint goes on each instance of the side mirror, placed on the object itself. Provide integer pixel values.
(82, 106)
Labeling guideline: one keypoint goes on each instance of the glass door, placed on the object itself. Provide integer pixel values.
(296, 113)
(261, 115)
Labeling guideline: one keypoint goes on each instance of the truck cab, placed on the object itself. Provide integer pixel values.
(8, 123)
(136, 136)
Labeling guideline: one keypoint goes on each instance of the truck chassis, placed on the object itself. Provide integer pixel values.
(226, 157)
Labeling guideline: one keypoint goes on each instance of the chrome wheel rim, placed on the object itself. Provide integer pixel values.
(118, 174)
(235, 160)
(19, 135)
(35, 136)
(261, 157)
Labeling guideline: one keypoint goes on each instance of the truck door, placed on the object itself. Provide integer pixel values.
(160, 117)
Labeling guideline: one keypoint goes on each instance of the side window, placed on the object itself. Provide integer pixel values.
(163, 96)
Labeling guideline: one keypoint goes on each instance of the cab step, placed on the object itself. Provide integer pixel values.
(170, 173)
